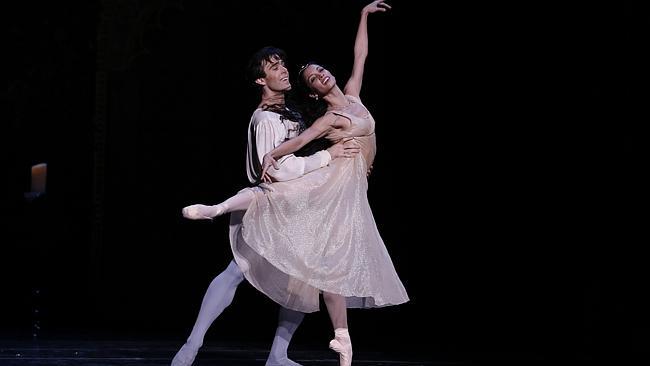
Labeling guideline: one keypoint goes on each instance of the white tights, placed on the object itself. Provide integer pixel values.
(219, 296)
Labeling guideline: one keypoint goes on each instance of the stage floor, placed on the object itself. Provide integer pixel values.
(70, 352)
(150, 353)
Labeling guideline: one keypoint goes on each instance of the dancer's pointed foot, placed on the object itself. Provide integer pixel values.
(185, 356)
(203, 212)
(343, 345)
(280, 362)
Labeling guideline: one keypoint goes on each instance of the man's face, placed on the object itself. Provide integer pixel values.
(276, 75)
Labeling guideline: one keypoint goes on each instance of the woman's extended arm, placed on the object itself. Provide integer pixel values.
(319, 128)
(353, 86)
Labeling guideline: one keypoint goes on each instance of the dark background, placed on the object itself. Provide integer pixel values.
(497, 187)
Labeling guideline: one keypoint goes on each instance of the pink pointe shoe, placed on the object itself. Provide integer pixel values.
(343, 345)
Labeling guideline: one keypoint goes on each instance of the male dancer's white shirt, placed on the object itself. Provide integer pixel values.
(266, 131)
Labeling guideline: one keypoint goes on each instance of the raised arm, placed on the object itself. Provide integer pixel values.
(353, 86)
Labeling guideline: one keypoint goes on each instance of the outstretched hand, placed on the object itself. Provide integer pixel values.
(267, 161)
(375, 6)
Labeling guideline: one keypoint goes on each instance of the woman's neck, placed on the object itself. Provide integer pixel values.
(335, 99)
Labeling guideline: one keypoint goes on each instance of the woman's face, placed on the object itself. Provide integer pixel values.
(318, 79)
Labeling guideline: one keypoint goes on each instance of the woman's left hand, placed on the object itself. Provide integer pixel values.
(266, 164)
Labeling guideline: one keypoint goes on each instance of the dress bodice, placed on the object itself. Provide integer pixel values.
(362, 129)
(359, 126)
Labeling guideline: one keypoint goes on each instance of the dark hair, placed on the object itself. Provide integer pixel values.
(305, 66)
(312, 108)
(290, 111)
(255, 69)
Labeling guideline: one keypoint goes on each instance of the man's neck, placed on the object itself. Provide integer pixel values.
(271, 99)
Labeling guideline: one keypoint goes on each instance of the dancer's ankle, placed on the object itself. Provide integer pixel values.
(341, 333)
(195, 345)
(219, 209)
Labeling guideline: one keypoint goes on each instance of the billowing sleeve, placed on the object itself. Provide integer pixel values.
(269, 135)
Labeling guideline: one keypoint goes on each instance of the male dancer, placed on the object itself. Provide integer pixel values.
(270, 125)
